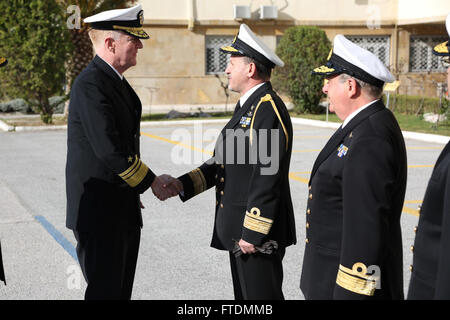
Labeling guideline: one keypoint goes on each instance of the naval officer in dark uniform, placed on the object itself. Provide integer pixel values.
(104, 172)
(357, 187)
(254, 217)
(430, 278)
(3, 62)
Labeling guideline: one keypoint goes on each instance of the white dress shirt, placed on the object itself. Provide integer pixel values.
(354, 113)
(249, 93)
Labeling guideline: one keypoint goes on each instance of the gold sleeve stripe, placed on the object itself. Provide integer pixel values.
(266, 98)
(131, 169)
(253, 221)
(198, 179)
(135, 174)
(356, 281)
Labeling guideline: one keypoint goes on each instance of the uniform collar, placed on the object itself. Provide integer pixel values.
(354, 113)
(246, 95)
(117, 72)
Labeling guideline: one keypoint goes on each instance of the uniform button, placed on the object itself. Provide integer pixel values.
(216, 176)
(221, 205)
(222, 166)
(221, 193)
(307, 240)
(307, 225)
(222, 179)
(308, 211)
(415, 229)
(217, 202)
(310, 195)
(410, 267)
(309, 188)
(411, 248)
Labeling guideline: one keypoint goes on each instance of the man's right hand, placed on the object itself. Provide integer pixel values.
(166, 186)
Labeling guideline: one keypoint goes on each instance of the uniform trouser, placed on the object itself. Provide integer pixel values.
(258, 276)
(108, 262)
(2, 272)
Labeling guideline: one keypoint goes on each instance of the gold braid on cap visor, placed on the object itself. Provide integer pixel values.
(138, 32)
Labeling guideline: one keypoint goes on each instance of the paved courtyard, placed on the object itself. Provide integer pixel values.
(175, 260)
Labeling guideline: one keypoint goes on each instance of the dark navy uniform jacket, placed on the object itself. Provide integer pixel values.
(357, 187)
(104, 173)
(253, 200)
(430, 278)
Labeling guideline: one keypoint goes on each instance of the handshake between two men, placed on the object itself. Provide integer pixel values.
(166, 186)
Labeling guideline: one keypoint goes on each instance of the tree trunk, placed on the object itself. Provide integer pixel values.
(46, 111)
(82, 55)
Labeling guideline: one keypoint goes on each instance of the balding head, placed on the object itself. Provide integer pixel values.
(98, 38)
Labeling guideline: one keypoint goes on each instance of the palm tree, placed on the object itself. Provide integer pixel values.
(82, 46)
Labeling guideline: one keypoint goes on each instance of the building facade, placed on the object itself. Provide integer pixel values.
(182, 68)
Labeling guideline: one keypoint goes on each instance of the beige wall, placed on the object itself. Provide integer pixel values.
(420, 11)
(171, 70)
(325, 11)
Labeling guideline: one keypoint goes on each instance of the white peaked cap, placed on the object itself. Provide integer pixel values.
(116, 14)
(248, 44)
(129, 20)
(443, 49)
(347, 57)
(447, 25)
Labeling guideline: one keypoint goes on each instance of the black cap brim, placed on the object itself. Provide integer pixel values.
(239, 47)
(336, 65)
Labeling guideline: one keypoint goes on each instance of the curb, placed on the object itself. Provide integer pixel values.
(5, 127)
(434, 138)
(427, 137)
(40, 128)
(315, 123)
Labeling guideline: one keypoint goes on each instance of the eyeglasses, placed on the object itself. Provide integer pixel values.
(445, 61)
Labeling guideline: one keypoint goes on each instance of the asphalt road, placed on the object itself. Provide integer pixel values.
(175, 260)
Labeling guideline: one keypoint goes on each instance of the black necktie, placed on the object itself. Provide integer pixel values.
(238, 106)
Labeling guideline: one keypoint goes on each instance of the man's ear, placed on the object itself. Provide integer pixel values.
(251, 70)
(110, 44)
(352, 87)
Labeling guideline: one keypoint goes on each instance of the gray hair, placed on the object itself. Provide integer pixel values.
(98, 36)
(370, 90)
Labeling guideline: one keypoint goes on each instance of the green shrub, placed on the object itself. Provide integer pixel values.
(302, 48)
(35, 39)
(16, 105)
(20, 105)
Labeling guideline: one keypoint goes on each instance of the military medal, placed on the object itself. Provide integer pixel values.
(342, 151)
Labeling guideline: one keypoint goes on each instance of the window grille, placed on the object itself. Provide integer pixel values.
(378, 45)
(216, 60)
(421, 57)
